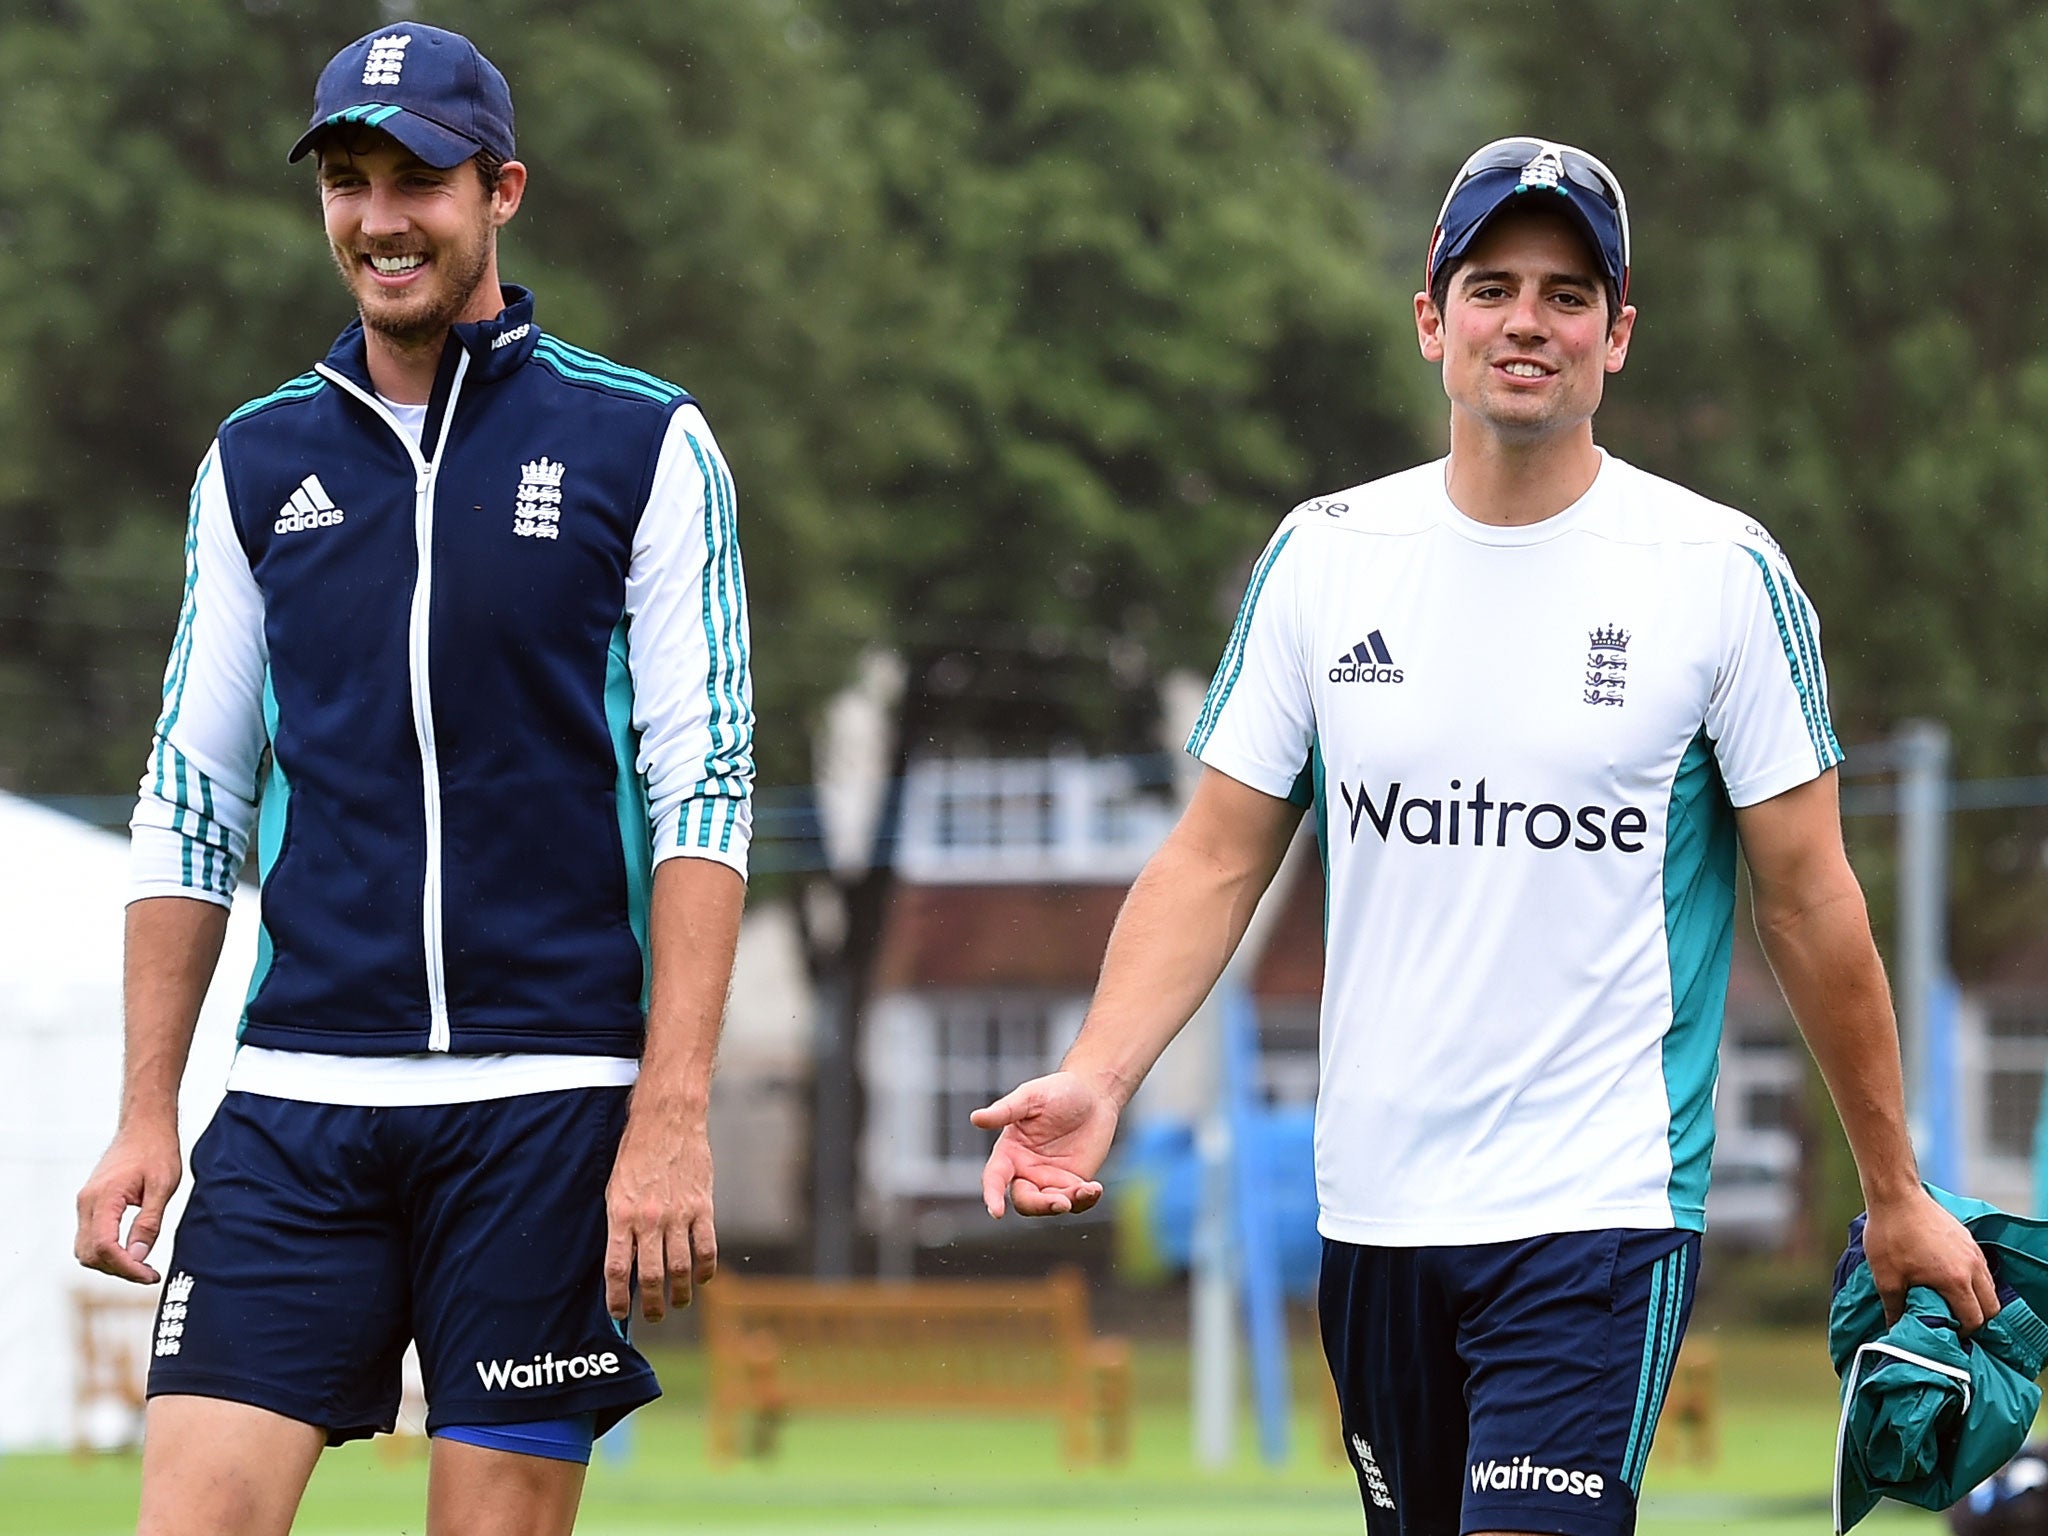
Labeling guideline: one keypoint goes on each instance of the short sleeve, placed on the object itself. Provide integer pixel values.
(1258, 719)
(1768, 716)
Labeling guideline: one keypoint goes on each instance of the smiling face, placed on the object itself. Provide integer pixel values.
(1524, 335)
(416, 246)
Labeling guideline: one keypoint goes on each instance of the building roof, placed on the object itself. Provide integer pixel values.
(1052, 936)
(1048, 936)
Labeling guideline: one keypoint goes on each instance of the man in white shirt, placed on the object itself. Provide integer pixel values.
(1535, 697)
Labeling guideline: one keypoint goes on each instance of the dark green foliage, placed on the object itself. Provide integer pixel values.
(1838, 209)
(1020, 322)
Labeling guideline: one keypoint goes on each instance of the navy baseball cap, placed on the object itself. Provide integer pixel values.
(1555, 174)
(431, 90)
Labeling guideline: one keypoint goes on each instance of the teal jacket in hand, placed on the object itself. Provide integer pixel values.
(1927, 1414)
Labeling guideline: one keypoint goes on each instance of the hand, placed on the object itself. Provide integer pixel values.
(1913, 1241)
(140, 1170)
(1056, 1131)
(658, 1212)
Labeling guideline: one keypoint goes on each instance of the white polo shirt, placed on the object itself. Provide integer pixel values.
(1523, 747)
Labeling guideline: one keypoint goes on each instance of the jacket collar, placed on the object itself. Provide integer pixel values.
(496, 347)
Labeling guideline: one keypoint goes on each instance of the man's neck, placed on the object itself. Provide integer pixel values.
(1511, 483)
(404, 371)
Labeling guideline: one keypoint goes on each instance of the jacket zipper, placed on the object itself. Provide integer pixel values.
(425, 472)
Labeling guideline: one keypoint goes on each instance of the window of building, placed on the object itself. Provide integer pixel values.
(936, 1057)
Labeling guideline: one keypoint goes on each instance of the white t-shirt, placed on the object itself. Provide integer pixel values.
(412, 419)
(1523, 747)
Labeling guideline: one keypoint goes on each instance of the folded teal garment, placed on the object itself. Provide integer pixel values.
(1928, 1414)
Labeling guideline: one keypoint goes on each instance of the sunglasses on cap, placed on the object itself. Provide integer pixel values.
(1535, 165)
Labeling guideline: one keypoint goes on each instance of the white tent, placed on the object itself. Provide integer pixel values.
(60, 1072)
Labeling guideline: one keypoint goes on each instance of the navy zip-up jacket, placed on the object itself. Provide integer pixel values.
(479, 687)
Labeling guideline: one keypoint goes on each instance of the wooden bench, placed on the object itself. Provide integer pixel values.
(996, 1346)
(1689, 1430)
(112, 1333)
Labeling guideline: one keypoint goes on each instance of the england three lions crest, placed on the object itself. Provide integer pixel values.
(537, 511)
(1607, 666)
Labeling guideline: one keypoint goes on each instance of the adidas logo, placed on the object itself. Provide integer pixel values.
(387, 59)
(1369, 661)
(310, 507)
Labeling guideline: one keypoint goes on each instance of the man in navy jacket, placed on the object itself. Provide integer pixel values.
(464, 648)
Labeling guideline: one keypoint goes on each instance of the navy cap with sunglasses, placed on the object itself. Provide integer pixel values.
(1557, 175)
(429, 89)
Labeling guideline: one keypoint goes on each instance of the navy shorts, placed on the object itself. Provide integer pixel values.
(320, 1238)
(1505, 1386)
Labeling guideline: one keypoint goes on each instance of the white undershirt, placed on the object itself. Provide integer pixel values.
(424, 1077)
(411, 417)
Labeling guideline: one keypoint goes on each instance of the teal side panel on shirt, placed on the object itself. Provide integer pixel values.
(636, 837)
(270, 825)
(1312, 792)
(1699, 933)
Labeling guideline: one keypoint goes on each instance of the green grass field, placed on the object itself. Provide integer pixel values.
(1005, 1478)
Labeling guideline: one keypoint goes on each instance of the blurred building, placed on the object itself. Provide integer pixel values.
(1010, 875)
(2001, 1059)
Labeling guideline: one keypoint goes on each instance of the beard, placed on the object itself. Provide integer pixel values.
(420, 318)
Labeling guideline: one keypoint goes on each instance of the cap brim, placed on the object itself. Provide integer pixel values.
(1457, 242)
(438, 146)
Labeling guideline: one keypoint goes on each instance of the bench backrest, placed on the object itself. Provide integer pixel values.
(991, 1342)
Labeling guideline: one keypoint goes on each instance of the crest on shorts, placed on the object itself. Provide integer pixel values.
(1369, 1470)
(170, 1318)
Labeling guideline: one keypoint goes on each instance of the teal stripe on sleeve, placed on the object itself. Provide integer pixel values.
(585, 358)
(570, 371)
(1232, 664)
(724, 552)
(1787, 592)
(300, 388)
(1793, 660)
(179, 665)
(1809, 636)
(724, 763)
(743, 757)
(594, 371)
(209, 831)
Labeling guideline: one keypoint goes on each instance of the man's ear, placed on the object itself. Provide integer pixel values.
(1429, 328)
(506, 196)
(1618, 335)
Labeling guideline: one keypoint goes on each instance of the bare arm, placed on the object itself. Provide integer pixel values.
(658, 1205)
(172, 946)
(1815, 930)
(1179, 927)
